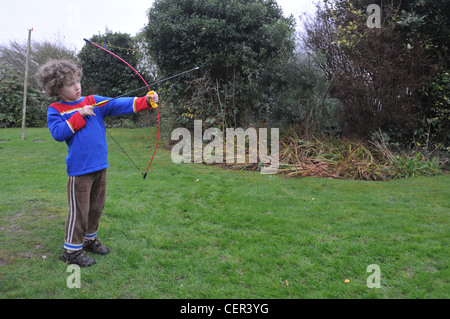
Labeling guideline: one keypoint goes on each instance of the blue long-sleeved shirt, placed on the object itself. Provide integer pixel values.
(86, 137)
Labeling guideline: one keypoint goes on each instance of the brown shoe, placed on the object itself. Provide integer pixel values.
(95, 246)
(77, 258)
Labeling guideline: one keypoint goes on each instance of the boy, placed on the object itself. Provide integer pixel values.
(77, 122)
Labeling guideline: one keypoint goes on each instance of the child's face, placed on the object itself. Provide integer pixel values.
(71, 91)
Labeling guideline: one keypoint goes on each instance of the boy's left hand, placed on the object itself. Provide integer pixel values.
(152, 97)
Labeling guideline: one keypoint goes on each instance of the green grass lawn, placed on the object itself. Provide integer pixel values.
(195, 231)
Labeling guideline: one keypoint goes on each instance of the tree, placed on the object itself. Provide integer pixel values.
(429, 20)
(298, 95)
(231, 40)
(373, 72)
(421, 25)
(12, 72)
(13, 56)
(11, 96)
(104, 74)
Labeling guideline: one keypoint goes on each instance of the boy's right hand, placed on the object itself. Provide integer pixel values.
(87, 110)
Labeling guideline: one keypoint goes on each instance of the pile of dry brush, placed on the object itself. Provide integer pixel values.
(347, 159)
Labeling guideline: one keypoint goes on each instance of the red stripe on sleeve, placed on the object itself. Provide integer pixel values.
(140, 104)
(76, 122)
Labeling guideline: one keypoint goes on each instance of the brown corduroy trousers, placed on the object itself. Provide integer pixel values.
(86, 195)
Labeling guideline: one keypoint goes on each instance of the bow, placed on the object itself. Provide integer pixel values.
(147, 86)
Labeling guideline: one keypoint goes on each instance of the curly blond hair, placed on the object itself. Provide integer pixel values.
(53, 74)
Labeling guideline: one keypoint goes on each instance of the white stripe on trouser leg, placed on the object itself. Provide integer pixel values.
(72, 211)
(69, 215)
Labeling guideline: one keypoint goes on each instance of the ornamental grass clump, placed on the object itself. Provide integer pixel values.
(340, 158)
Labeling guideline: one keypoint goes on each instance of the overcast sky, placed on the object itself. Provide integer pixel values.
(70, 22)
